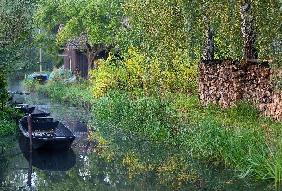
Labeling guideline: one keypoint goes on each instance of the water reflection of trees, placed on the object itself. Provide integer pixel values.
(146, 164)
(124, 165)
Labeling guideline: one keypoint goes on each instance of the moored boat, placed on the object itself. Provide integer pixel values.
(47, 133)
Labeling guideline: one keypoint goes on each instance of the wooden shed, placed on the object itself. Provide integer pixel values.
(74, 56)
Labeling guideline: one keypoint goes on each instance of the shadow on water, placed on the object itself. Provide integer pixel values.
(48, 159)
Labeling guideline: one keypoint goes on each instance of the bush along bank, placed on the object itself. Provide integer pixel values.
(238, 137)
(7, 124)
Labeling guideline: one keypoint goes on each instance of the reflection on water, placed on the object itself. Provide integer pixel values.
(119, 162)
(47, 159)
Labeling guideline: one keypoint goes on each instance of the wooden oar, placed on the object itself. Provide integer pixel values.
(29, 122)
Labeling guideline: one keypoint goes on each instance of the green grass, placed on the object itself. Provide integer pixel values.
(237, 138)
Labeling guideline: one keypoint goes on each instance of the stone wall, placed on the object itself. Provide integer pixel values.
(225, 82)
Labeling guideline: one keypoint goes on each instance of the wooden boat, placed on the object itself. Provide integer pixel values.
(47, 133)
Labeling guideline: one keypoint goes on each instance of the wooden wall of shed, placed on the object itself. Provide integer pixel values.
(82, 64)
(70, 59)
(225, 82)
(74, 60)
(66, 59)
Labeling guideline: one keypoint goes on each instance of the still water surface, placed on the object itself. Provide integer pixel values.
(122, 162)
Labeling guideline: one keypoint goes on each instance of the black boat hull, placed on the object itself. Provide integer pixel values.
(51, 144)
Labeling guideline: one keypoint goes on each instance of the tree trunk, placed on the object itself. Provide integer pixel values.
(247, 29)
(208, 50)
(92, 53)
(90, 58)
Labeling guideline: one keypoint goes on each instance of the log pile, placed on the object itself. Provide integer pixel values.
(257, 85)
(274, 108)
(220, 82)
(225, 82)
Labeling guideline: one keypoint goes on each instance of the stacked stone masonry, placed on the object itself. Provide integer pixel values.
(226, 82)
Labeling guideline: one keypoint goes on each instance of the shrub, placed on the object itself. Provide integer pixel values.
(31, 85)
(7, 122)
(146, 116)
(139, 75)
(60, 75)
(3, 92)
(77, 94)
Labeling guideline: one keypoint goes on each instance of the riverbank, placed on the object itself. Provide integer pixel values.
(237, 138)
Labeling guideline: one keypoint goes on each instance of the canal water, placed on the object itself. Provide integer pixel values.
(119, 162)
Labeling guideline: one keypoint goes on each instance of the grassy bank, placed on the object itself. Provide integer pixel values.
(75, 94)
(238, 138)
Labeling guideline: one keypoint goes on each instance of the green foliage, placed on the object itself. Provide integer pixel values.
(145, 116)
(146, 92)
(162, 28)
(238, 138)
(60, 75)
(157, 27)
(7, 122)
(15, 33)
(31, 85)
(3, 91)
(97, 19)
